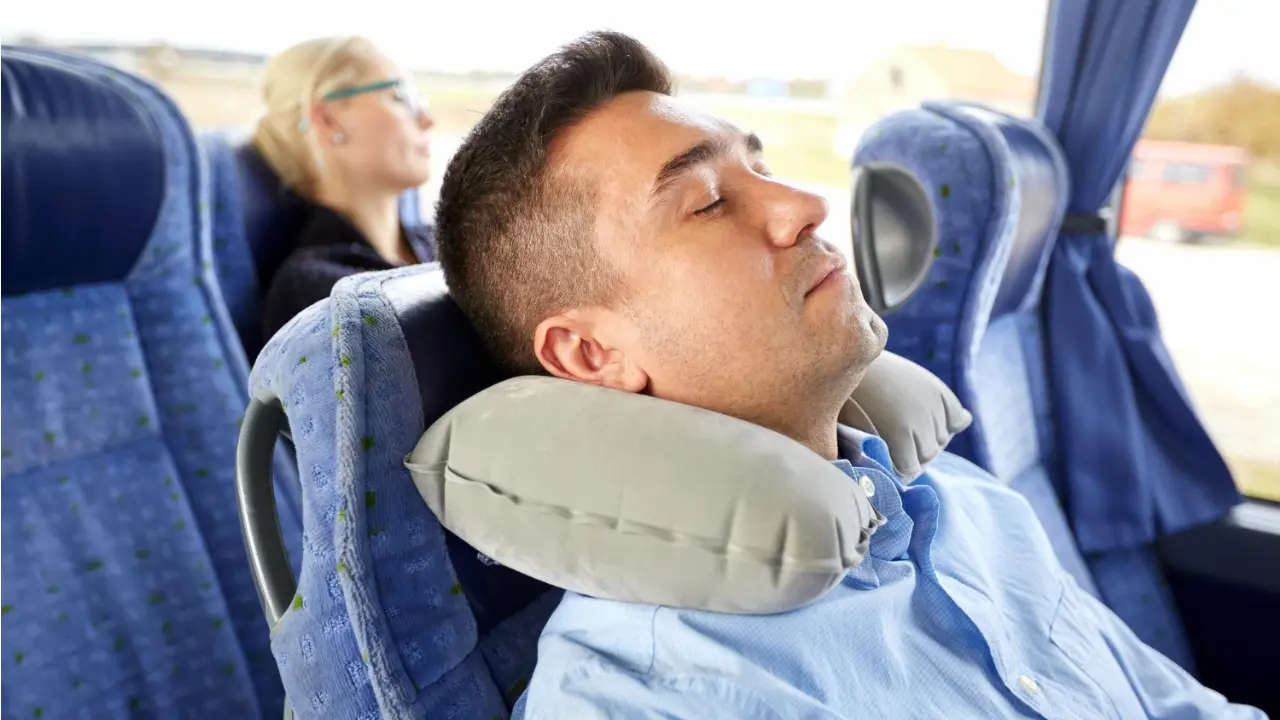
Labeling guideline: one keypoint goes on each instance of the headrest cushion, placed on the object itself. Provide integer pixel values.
(84, 172)
(637, 499)
(895, 233)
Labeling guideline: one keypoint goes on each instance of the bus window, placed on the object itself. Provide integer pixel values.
(1203, 234)
(1185, 174)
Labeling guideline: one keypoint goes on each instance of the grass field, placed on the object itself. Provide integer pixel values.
(1257, 479)
(1262, 208)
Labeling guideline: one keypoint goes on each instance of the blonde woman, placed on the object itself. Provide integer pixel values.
(343, 128)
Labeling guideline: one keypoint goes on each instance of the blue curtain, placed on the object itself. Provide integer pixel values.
(1136, 462)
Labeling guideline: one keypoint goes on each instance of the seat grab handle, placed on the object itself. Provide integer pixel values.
(264, 423)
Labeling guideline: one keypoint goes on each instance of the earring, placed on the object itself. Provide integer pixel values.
(339, 137)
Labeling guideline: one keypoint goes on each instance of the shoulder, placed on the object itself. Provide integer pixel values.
(309, 273)
(981, 516)
(968, 492)
(960, 481)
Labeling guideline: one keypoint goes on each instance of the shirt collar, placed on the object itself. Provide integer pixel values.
(865, 450)
(866, 458)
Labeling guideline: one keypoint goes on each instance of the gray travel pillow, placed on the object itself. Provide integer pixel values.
(632, 498)
(909, 408)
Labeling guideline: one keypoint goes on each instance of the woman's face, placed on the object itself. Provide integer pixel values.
(375, 130)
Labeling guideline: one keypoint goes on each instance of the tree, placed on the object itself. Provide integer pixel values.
(1242, 112)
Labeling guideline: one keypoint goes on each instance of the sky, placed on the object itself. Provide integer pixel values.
(797, 38)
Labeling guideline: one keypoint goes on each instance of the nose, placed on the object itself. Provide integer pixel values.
(792, 214)
(425, 121)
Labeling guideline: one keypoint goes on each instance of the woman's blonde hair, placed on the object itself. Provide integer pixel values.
(294, 80)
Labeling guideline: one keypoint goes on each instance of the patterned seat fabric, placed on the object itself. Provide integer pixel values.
(999, 186)
(125, 590)
(393, 615)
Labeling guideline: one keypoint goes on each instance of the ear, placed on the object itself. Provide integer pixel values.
(572, 346)
(321, 121)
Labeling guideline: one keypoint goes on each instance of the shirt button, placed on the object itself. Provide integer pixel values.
(868, 486)
(1029, 684)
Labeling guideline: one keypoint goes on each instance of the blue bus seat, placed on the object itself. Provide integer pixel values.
(991, 195)
(393, 616)
(125, 587)
(256, 222)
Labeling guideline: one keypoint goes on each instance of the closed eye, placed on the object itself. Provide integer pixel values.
(715, 205)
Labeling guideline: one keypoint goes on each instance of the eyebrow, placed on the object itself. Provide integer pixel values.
(703, 152)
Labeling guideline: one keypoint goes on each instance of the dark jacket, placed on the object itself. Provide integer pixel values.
(329, 249)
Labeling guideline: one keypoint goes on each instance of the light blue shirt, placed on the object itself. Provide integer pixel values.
(960, 610)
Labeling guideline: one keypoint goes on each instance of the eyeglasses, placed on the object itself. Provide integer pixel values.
(405, 93)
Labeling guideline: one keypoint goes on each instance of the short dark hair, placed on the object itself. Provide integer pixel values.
(514, 237)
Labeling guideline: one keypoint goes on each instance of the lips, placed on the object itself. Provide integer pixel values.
(831, 265)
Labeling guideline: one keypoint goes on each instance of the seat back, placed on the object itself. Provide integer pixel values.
(993, 190)
(125, 590)
(392, 613)
(996, 190)
(256, 224)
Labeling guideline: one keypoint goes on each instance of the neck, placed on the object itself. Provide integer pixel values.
(816, 429)
(376, 214)
(819, 435)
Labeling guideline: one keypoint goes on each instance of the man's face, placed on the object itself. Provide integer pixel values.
(730, 300)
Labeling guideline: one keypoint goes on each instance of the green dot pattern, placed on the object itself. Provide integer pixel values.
(120, 539)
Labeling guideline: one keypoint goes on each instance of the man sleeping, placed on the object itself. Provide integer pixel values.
(597, 230)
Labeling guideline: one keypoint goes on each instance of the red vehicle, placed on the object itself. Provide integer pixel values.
(1182, 192)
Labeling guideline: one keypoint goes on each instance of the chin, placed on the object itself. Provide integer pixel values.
(877, 329)
(865, 338)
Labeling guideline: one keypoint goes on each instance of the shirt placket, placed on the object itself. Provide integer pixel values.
(922, 506)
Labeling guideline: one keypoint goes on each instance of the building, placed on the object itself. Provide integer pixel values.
(911, 75)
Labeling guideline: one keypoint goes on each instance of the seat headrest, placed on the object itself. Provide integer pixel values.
(895, 233)
(271, 210)
(451, 364)
(84, 172)
(896, 219)
(1043, 185)
(449, 360)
